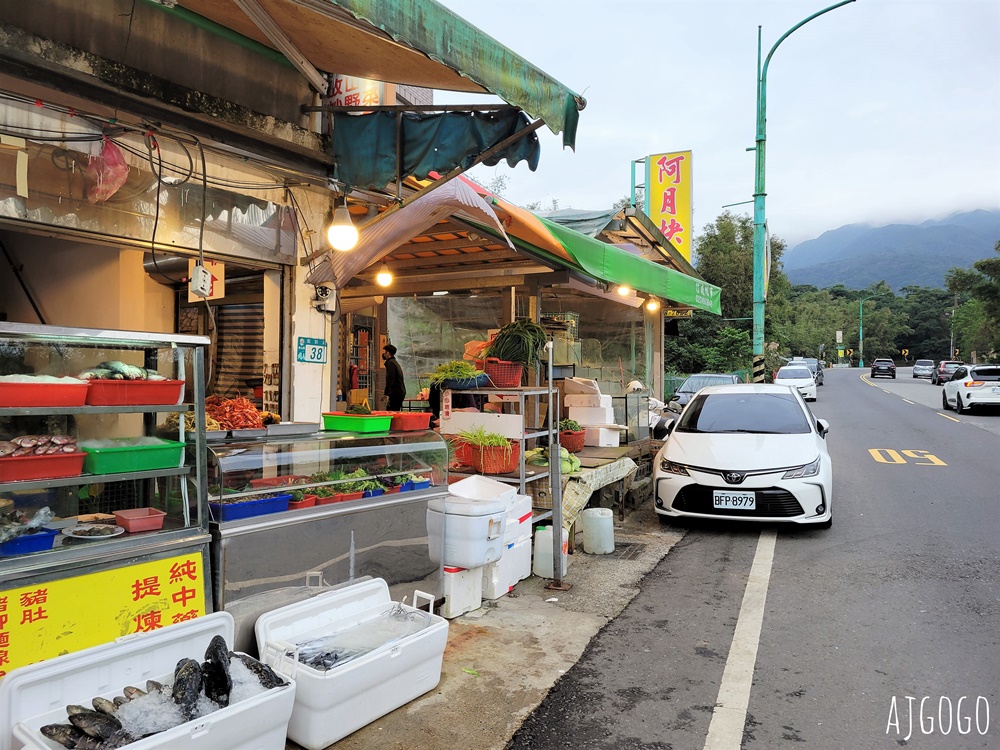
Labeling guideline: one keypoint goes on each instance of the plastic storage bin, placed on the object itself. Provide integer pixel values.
(330, 705)
(50, 466)
(411, 420)
(123, 457)
(249, 508)
(25, 543)
(36, 695)
(339, 420)
(19, 395)
(465, 533)
(140, 519)
(135, 392)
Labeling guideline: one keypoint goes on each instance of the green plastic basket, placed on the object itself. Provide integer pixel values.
(357, 422)
(127, 458)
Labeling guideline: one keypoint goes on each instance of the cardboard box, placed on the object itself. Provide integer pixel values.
(601, 437)
(592, 415)
(599, 399)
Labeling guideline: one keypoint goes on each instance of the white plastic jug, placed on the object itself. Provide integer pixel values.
(543, 552)
(598, 531)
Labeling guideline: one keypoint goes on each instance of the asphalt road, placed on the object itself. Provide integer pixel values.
(871, 632)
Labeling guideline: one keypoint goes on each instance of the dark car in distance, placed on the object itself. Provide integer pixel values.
(884, 366)
(944, 369)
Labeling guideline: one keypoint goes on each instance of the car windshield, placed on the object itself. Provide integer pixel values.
(951, 366)
(924, 363)
(793, 373)
(697, 382)
(758, 413)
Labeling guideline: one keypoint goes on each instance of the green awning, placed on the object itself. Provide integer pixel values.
(612, 264)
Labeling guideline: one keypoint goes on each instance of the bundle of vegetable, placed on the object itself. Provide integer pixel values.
(234, 413)
(359, 409)
(115, 370)
(520, 341)
(457, 369)
(172, 422)
(568, 463)
(569, 425)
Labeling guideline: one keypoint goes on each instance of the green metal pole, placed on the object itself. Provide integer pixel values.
(759, 216)
(861, 332)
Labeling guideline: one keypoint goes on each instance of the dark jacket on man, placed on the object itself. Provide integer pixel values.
(395, 388)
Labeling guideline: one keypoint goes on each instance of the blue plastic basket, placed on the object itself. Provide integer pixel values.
(480, 381)
(372, 493)
(235, 511)
(25, 543)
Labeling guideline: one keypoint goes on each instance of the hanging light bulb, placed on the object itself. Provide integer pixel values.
(384, 276)
(652, 304)
(623, 290)
(342, 234)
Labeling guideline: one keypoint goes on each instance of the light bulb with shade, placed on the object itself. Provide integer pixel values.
(384, 276)
(342, 234)
(623, 290)
(652, 304)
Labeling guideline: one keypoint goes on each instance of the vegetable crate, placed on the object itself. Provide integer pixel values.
(339, 420)
(247, 509)
(125, 458)
(503, 374)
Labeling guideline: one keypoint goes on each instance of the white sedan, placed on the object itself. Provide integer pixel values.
(750, 452)
(972, 385)
(799, 377)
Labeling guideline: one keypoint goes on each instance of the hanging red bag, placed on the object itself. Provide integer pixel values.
(105, 173)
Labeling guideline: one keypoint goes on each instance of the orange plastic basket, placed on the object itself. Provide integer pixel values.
(572, 440)
(503, 374)
(494, 460)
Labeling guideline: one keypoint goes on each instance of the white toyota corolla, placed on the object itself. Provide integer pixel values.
(797, 376)
(745, 452)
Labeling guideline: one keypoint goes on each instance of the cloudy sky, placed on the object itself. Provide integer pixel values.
(880, 111)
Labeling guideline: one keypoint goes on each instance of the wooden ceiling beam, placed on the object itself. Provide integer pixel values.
(462, 258)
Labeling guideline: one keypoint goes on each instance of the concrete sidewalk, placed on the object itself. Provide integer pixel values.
(502, 659)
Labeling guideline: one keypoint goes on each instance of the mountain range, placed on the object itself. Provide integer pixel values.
(859, 255)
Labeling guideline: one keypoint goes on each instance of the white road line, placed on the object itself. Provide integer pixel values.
(730, 714)
(909, 402)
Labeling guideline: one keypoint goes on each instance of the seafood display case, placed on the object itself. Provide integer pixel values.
(101, 499)
(296, 515)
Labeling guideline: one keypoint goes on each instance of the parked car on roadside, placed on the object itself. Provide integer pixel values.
(970, 386)
(693, 384)
(751, 452)
(944, 369)
(884, 366)
(799, 378)
(923, 368)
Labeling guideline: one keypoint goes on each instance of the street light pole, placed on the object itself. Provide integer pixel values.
(759, 216)
(861, 327)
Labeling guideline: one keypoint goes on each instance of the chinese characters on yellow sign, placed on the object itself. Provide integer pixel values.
(59, 617)
(668, 198)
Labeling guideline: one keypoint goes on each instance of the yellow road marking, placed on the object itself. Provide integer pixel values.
(947, 417)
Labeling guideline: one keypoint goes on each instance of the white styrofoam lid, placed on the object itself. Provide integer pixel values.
(479, 487)
(79, 676)
(581, 386)
(320, 611)
(463, 506)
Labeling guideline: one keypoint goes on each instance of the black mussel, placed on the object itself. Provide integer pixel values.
(187, 686)
(215, 671)
(95, 723)
(65, 734)
(267, 676)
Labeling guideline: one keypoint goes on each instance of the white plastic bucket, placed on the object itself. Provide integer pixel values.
(598, 531)
(543, 552)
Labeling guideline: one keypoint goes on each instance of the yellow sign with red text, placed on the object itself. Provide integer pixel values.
(668, 198)
(59, 617)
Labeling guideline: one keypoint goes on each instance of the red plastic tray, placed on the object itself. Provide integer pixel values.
(135, 392)
(49, 466)
(43, 394)
(281, 481)
(411, 420)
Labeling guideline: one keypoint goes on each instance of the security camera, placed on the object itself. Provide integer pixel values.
(323, 291)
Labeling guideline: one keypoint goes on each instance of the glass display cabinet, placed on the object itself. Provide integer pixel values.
(97, 489)
(294, 515)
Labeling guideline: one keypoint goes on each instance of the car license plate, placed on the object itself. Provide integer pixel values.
(731, 499)
(996, 389)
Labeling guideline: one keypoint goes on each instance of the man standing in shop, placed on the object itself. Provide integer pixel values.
(395, 388)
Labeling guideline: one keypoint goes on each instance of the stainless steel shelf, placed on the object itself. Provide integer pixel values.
(28, 411)
(81, 479)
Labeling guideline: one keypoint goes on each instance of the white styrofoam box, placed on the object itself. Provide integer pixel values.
(483, 488)
(520, 559)
(601, 437)
(330, 705)
(592, 414)
(518, 519)
(580, 386)
(37, 694)
(463, 590)
(500, 577)
(465, 533)
(596, 399)
(508, 425)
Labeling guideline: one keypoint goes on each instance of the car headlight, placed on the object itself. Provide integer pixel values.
(809, 470)
(671, 468)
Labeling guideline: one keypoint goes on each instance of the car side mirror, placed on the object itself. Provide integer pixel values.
(823, 427)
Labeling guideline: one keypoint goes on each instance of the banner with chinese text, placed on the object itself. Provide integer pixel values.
(668, 198)
(350, 91)
(57, 617)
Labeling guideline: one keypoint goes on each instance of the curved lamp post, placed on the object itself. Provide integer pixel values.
(759, 217)
(861, 327)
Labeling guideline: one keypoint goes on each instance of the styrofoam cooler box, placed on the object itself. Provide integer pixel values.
(465, 533)
(479, 487)
(601, 437)
(462, 589)
(590, 399)
(518, 519)
(37, 694)
(331, 704)
(515, 565)
(592, 414)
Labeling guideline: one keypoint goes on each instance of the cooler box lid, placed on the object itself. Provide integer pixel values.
(129, 660)
(342, 606)
(479, 487)
(463, 506)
